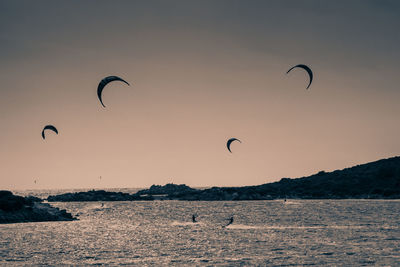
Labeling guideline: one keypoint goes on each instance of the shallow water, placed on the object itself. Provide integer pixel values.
(298, 232)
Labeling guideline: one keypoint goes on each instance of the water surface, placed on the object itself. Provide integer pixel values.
(298, 232)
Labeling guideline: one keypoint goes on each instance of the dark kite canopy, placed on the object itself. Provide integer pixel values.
(306, 68)
(49, 127)
(228, 144)
(103, 84)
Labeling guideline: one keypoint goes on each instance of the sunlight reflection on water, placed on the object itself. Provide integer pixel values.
(316, 232)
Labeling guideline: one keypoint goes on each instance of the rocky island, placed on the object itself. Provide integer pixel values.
(16, 209)
(379, 180)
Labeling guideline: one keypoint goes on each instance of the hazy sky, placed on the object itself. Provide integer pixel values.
(201, 72)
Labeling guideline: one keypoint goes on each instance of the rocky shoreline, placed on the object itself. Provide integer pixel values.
(17, 209)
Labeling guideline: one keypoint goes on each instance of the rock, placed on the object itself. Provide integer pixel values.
(168, 189)
(15, 209)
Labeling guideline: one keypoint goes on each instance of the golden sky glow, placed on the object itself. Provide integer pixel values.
(200, 73)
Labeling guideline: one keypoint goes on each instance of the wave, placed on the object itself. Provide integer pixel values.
(177, 223)
(241, 226)
(279, 227)
(290, 202)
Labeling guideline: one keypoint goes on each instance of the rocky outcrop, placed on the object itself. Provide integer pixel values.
(168, 190)
(16, 209)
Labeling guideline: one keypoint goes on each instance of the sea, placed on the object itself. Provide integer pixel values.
(161, 233)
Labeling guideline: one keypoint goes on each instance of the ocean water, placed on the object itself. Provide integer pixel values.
(264, 233)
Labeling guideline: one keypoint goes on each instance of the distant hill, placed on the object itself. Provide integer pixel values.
(379, 179)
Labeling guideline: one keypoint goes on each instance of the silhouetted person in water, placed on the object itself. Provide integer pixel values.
(194, 218)
(102, 204)
(229, 223)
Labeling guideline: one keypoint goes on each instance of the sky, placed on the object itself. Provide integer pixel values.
(201, 72)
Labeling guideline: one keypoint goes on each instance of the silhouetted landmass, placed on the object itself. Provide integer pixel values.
(15, 209)
(380, 179)
(171, 190)
(97, 195)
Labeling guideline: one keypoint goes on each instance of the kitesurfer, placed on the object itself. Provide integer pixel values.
(229, 223)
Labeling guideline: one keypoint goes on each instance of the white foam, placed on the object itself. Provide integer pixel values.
(177, 223)
(276, 227)
(241, 226)
(290, 202)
